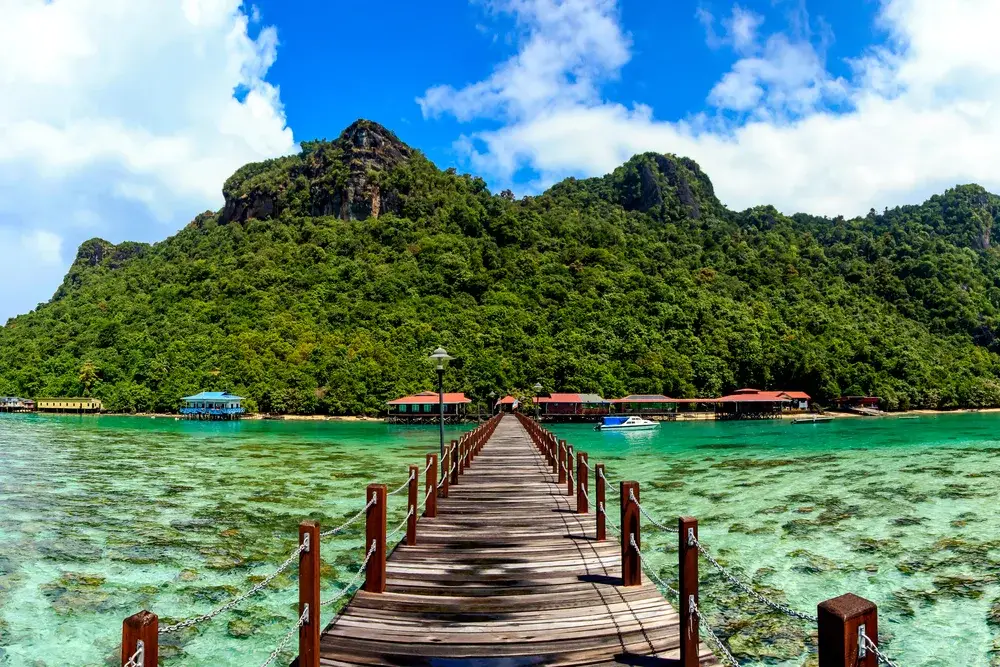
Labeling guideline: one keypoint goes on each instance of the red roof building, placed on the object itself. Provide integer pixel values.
(424, 406)
(566, 405)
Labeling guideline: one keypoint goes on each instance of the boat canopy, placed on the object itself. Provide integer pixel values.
(614, 421)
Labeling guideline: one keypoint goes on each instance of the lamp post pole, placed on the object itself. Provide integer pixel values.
(493, 404)
(538, 390)
(440, 356)
(440, 370)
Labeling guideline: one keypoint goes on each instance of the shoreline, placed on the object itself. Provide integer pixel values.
(681, 417)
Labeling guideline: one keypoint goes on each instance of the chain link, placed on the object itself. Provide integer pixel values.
(874, 649)
(703, 623)
(287, 638)
(607, 522)
(401, 486)
(235, 601)
(400, 527)
(361, 513)
(777, 606)
(608, 486)
(649, 568)
(137, 658)
(354, 579)
(650, 517)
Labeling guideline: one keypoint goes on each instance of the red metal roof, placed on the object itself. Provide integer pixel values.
(507, 400)
(798, 395)
(425, 397)
(644, 398)
(559, 398)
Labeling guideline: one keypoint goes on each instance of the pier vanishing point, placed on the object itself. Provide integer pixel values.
(518, 552)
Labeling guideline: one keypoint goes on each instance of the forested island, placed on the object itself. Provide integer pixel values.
(328, 276)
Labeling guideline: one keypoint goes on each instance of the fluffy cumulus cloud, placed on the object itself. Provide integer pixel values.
(919, 113)
(122, 120)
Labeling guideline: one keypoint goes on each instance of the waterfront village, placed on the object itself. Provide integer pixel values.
(428, 406)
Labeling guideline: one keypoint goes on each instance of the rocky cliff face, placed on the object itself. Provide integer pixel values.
(97, 253)
(344, 178)
(665, 182)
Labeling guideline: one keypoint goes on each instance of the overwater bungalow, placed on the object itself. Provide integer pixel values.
(16, 404)
(77, 405)
(752, 404)
(424, 408)
(572, 407)
(646, 405)
(215, 405)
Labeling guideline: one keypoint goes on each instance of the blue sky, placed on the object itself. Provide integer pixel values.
(122, 120)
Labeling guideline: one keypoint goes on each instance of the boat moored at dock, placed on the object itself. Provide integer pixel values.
(624, 423)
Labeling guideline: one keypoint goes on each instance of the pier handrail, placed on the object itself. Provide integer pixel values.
(847, 625)
(140, 632)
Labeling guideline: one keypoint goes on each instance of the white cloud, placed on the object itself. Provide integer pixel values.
(118, 119)
(920, 113)
(570, 47)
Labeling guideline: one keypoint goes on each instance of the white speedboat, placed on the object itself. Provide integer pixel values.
(624, 424)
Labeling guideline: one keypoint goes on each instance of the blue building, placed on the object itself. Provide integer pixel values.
(212, 405)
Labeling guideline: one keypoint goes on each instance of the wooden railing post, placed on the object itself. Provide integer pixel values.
(562, 462)
(412, 502)
(430, 486)
(375, 530)
(687, 555)
(599, 495)
(631, 566)
(454, 462)
(309, 564)
(141, 629)
(582, 480)
(569, 476)
(841, 622)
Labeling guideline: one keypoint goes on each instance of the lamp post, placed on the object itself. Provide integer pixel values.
(493, 404)
(441, 357)
(538, 389)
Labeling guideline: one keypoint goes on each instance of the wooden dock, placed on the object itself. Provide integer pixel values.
(506, 574)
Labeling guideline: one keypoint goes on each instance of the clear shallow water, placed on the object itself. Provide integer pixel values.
(902, 512)
(101, 517)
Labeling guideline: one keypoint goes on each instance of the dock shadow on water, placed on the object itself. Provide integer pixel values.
(102, 517)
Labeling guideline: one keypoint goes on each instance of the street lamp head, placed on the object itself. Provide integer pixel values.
(441, 356)
(537, 387)
(492, 394)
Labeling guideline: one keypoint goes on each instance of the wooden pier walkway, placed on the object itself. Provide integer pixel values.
(506, 574)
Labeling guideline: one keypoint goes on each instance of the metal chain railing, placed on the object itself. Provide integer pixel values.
(608, 486)
(874, 649)
(287, 638)
(137, 658)
(400, 527)
(167, 629)
(361, 513)
(607, 519)
(423, 503)
(703, 623)
(343, 591)
(649, 517)
(402, 486)
(649, 568)
(777, 606)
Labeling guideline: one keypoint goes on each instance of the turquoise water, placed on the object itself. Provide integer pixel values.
(101, 517)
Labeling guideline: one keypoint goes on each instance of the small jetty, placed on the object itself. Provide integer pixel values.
(510, 555)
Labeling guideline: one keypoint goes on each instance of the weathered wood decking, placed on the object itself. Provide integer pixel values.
(507, 574)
